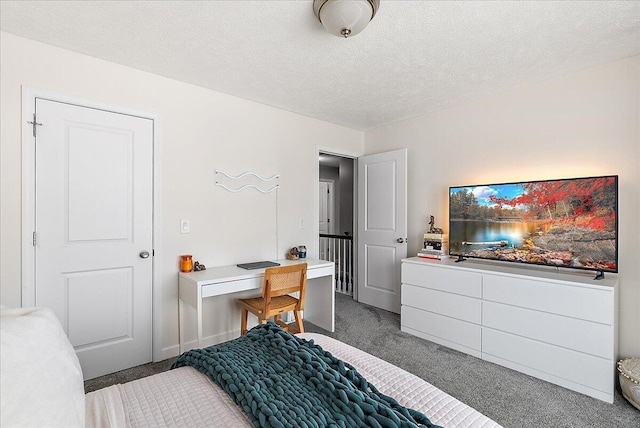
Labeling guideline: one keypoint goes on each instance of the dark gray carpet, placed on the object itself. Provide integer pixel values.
(506, 396)
(127, 375)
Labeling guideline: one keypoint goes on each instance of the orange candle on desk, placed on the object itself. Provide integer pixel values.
(186, 263)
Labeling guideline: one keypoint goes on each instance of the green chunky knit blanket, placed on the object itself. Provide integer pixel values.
(281, 380)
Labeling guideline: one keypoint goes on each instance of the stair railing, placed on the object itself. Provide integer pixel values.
(339, 249)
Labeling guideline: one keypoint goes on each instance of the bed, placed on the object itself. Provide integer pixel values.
(184, 397)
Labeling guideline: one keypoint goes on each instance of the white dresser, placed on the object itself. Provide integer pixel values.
(559, 327)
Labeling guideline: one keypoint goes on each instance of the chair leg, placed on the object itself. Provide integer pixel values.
(243, 322)
(298, 316)
(278, 321)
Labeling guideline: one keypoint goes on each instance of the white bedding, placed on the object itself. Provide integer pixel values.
(41, 379)
(186, 398)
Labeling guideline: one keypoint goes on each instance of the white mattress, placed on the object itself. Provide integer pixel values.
(186, 398)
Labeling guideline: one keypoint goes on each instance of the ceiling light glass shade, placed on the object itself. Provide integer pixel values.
(345, 18)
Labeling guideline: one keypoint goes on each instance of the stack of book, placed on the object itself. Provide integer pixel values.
(435, 246)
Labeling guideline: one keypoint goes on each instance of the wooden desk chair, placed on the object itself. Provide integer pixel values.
(279, 282)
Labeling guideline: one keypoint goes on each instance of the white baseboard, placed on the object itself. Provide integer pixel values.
(173, 351)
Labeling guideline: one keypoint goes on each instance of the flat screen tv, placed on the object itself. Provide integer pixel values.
(570, 223)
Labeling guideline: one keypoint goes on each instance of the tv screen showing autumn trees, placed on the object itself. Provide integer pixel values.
(567, 223)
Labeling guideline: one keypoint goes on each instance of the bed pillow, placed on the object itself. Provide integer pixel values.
(41, 382)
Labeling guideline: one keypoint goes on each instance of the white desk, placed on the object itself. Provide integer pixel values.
(193, 287)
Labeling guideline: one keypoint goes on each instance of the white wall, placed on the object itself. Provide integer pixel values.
(202, 130)
(581, 125)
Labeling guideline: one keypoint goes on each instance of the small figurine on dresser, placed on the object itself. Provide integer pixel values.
(435, 242)
(198, 267)
(432, 228)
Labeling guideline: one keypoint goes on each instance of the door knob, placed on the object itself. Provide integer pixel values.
(400, 240)
(144, 254)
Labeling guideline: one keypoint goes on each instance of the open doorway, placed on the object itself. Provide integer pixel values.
(336, 218)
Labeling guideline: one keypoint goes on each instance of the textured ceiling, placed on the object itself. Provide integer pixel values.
(414, 57)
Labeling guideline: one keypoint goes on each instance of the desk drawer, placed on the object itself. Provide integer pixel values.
(317, 272)
(232, 287)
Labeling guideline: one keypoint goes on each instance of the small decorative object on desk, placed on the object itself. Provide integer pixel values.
(186, 263)
(198, 267)
(302, 251)
(293, 254)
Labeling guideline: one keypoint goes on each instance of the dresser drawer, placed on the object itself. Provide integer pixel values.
(449, 329)
(443, 279)
(587, 370)
(580, 335)
(452, 305)
(574, 301)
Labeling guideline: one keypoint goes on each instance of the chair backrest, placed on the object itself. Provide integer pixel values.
(282, 280)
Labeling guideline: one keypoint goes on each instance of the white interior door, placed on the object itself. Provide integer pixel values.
(326, 222)
(382, 227)
(94, 205)
(323, 220)
(326, 207)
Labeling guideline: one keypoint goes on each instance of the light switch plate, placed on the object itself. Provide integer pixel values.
(185, 226)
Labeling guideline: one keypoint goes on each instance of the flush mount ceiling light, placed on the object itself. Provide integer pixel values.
(345, 18)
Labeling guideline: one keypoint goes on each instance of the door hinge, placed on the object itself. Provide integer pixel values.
(33, 238)
(34, 123)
